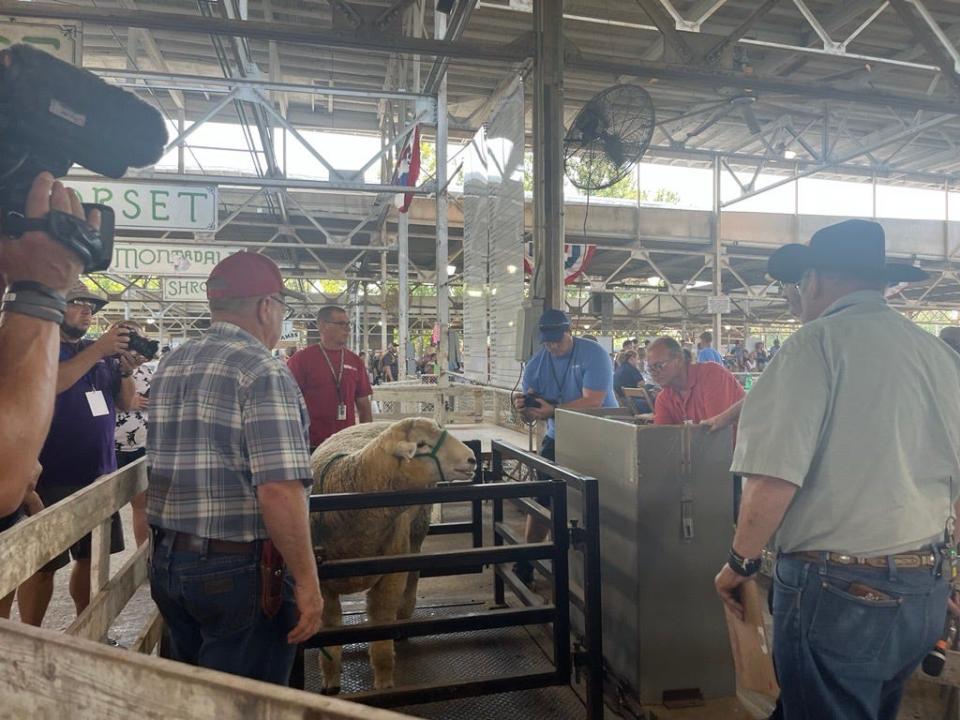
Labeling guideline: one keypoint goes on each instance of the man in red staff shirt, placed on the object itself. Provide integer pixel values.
(705, 392)
(333, 380)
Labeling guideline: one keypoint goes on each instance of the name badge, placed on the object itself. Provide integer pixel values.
(341, 411)
(97, 403)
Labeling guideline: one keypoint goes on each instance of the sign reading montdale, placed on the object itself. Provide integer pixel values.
(175, 260)
(154, 206)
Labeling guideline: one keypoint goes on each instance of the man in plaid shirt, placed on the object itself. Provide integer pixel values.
(227, 447)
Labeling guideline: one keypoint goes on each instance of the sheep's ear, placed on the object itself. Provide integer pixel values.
(405, 449)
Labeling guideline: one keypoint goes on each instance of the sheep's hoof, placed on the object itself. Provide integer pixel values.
(330, 691)
(383, 685)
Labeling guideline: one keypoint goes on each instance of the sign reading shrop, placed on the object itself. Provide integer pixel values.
(184, 289)
(176, 260)
(159, 206)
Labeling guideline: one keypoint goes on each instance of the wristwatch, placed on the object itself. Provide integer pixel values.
(743, 566)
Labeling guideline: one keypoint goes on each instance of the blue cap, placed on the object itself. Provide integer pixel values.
(553, 324)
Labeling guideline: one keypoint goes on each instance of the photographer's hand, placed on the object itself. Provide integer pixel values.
(114, 341)
(542, 412)
(36, 256)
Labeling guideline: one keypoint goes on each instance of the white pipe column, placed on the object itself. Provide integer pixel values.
(717, 253)
(383, 300)
(443, 253)
(403, 251)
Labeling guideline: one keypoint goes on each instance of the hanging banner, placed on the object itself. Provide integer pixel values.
(153, 206)
(175, 260)
(576, 259)
(183, 289)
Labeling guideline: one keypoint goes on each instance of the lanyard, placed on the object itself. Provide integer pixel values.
(561, 382)
(337, 376)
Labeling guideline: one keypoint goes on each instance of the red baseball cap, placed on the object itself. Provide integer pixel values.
(246, 274)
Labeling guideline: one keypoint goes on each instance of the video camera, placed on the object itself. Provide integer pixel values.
(143, 346)
(532, 400)
(53, 115)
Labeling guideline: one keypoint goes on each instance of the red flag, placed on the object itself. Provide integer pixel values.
(408, 170)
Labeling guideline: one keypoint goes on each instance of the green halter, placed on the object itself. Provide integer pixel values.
(433, 454)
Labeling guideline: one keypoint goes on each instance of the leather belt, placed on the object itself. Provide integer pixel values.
(185, 542)
(920, 559)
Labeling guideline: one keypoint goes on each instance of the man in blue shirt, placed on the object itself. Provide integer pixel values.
(568, 373)
(708, 353)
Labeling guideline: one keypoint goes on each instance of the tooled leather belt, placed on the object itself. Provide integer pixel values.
(918, 559)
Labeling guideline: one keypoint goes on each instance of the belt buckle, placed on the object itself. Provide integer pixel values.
(841, 559)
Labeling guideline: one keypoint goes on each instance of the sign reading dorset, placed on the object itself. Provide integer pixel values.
(159, 206)
(175, 260)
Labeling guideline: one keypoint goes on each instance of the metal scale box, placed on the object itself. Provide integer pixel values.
(666, 525)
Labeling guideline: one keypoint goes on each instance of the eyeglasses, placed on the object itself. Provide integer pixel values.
(289, 310)
(658, 366)
(83, 304)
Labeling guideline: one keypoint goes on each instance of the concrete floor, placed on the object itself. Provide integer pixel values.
(923, 701)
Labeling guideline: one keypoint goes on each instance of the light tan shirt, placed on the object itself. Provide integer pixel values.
(861, 410)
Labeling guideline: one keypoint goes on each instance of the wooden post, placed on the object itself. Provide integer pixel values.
(100, 556)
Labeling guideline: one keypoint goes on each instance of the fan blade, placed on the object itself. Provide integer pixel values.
(750, 118)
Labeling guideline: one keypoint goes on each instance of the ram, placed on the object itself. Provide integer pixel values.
(411, 454)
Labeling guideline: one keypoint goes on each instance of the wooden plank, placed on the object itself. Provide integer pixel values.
(106, 605)
(50, 675)
(29, 545)
(149, 637)
(100, 556)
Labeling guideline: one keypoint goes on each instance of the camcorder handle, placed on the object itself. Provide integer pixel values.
(93, 247)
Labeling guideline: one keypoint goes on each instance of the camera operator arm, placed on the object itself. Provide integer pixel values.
(28, 344)
(28, 351)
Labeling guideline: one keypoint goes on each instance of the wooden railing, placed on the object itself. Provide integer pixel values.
(46, 674)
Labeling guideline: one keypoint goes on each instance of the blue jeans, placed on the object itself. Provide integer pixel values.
(211, 610)
(846, 657)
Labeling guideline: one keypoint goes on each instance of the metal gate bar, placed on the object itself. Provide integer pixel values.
(557, 614)
(585, 539)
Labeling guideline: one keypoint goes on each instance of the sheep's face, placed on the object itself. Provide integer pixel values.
(415, 439)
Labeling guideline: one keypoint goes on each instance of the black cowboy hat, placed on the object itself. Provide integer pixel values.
(855, 246)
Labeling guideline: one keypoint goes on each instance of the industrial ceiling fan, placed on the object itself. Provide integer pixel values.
(608, 136)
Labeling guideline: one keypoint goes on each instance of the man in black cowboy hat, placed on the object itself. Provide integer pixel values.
(861, 501)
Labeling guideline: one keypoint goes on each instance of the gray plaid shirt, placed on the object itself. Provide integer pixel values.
(225, 417)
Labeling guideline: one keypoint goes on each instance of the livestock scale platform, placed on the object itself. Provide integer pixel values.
(458, 657)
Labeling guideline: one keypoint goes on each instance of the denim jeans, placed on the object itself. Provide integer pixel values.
(842, 656)
(211, 610)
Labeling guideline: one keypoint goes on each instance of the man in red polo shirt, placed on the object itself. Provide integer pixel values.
(705, 392)
(333, 380)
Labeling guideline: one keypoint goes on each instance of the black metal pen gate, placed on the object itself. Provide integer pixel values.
(585, 539)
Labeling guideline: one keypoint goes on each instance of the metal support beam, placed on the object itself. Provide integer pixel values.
(713, 55)
(305, 33)
(403, 261)
(218, 85)
(828, 42)
(932, 37)
(548, 152)
(712, 78)
(861, 150)
(443, 251)
(668, 28)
